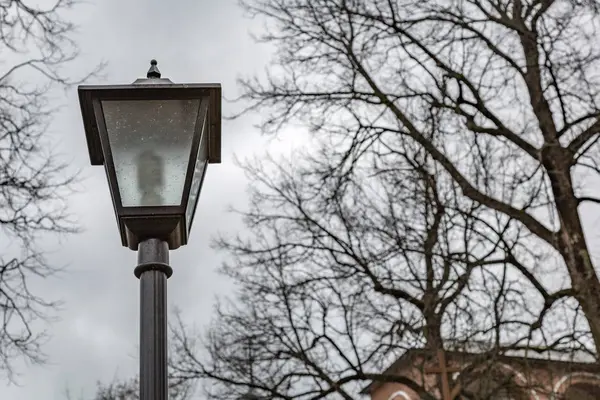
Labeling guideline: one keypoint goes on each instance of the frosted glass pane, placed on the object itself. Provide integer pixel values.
(197, 178)
(150, 142)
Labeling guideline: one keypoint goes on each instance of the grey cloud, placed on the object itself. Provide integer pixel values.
(194, 41)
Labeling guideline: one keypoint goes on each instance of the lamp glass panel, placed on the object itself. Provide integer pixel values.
(198, 175)
(150, 141)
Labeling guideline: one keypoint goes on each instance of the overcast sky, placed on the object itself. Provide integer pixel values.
(97, 336)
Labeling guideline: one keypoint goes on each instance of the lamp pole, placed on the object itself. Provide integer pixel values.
(153, 270)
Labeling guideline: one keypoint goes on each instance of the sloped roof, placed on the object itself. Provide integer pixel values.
(580, 360)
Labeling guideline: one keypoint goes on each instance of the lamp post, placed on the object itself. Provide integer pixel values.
(155, 139)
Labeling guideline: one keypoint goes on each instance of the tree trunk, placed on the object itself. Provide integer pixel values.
(571, 241)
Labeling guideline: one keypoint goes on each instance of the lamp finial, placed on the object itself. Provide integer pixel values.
(153, 72)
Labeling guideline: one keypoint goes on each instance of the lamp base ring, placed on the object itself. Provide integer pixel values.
(162, 267)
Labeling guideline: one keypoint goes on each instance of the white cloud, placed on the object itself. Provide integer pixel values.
(97, 337)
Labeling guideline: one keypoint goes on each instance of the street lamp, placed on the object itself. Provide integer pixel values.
(155, 139)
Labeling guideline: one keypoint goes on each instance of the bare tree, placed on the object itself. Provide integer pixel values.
(457, 142)
(129, 390)
(501, 94)
(35, 43)
(341, 274)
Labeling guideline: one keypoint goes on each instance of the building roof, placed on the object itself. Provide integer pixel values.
(581, 360)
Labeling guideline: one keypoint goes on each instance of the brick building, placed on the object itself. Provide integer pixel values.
(506, 377)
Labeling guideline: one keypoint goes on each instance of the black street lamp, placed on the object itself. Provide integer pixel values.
(155, 139)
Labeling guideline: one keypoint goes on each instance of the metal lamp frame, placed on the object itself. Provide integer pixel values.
(167, 223)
